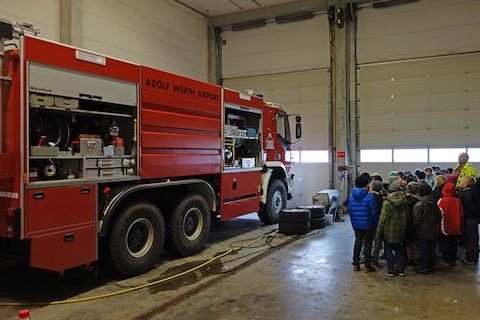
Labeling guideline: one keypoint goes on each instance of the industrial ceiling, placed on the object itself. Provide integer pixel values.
(219, 7)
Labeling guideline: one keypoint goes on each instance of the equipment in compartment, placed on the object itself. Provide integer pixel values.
(50, 170)
(54, 127)
(91, 146)
(248, 162)
(66, 103)
(229, 151)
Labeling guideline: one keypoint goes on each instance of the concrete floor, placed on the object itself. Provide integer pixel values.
(309, 278)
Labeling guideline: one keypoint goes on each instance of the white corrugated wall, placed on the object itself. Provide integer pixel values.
(41, 14)
(158, 34)
(288, 64)
(419, 77)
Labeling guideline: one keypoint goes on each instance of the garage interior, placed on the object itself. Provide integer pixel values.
(381, 85)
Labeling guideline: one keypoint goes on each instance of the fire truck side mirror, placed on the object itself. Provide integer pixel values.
(298, 130)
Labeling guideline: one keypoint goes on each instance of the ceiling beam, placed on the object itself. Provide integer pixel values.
(269, 12)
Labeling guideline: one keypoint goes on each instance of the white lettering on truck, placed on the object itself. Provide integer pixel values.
(8, 195)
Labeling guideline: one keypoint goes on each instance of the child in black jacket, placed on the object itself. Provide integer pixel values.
(425, 218)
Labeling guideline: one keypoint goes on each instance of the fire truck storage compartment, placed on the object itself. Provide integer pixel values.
(242, 127)
(65, 249)
(62, 231)
(52, 208)
(80, 125)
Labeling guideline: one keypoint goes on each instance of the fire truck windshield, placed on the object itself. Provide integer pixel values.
(283, 129)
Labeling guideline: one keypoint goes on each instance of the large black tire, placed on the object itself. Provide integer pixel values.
(294, 215)
(276, 202)
(188, 227)
(318, 211)
(136, 239)
(294, 228)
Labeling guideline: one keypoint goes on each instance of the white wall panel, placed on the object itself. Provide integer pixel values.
(159, 34)
(44, 15)
(423, 28)
(427, 102)
(276, 48)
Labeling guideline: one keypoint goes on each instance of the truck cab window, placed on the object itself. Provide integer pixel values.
(283, 129)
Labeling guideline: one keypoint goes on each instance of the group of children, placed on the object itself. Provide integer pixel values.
(405, 217)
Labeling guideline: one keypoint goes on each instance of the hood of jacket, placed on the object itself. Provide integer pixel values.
(448, 190)
(397, 198)
(428, 200)
(359, 193)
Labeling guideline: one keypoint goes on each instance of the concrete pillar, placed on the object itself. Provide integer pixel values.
(71, 22)
(215, 43)
(343, 105)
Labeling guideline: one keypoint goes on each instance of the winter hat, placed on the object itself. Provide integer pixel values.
(376, 185)
(451, 178)
(424, 190)
(408, 177)
(376, 176)
(394, 186)
(412, 187)
(361, 182)
(366, 175)
(421, 175)
(393, 174)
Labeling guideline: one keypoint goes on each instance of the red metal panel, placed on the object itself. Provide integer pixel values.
(162, 140)
(235, 97)
(237, 208)
(239, 184)
(64, 249)
(180, 128)
(179, 165)
(55, 54)
(48, 209)
(165, 119)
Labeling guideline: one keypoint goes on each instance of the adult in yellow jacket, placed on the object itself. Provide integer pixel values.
(464, 168)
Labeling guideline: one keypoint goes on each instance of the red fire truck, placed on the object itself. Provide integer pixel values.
(103, 158)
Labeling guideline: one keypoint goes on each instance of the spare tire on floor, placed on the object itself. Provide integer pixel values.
(294, 221)
(295, 215)
(294, 227)
(318, 223)
(317, 211)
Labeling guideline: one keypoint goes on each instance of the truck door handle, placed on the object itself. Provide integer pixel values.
(85, 190)
(38, 195)
(69, 237)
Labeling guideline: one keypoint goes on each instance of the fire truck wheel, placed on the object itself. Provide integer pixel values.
(136, 239)
(276, 201)
(188, 227)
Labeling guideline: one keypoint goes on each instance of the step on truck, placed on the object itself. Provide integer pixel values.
(106, 159)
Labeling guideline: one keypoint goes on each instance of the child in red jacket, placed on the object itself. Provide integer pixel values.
(451, 224)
